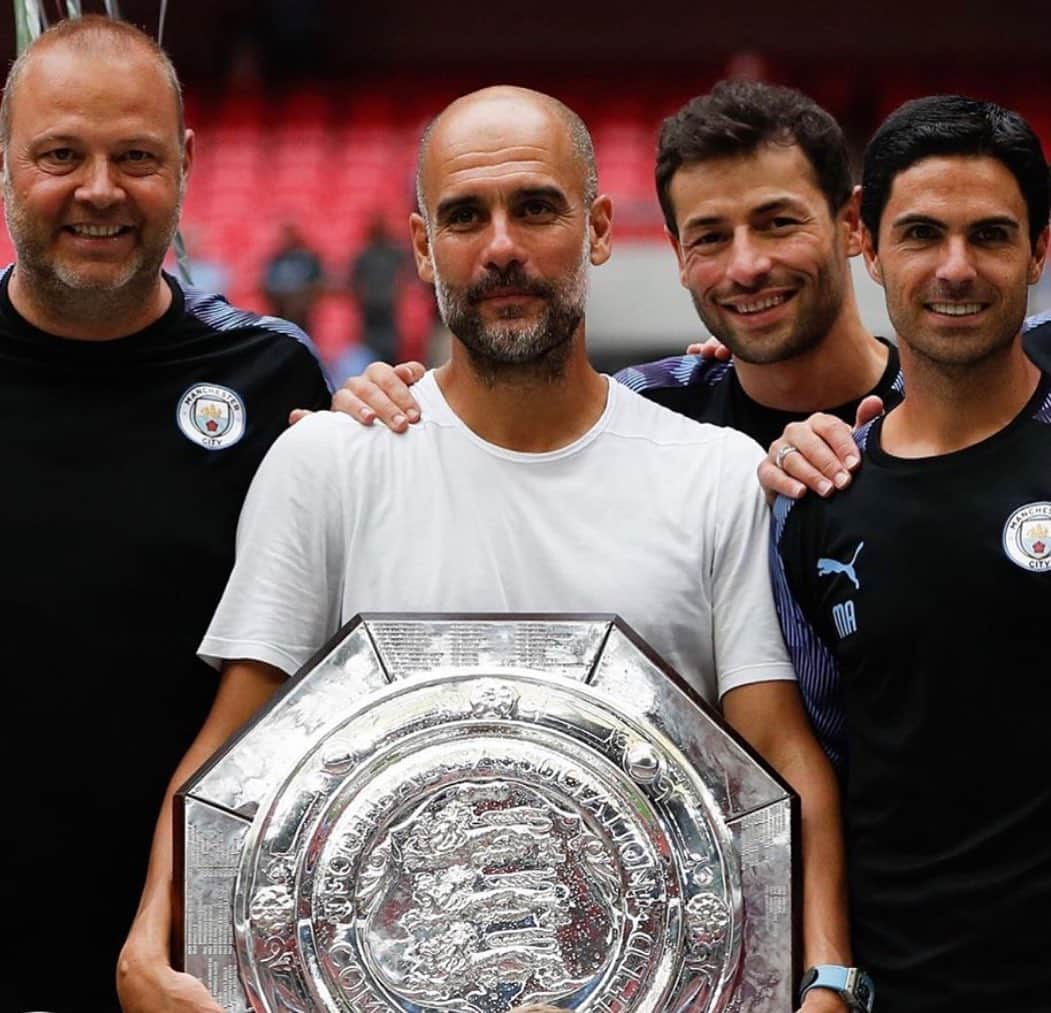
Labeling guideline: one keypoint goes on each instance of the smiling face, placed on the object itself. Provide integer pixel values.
(955, 259)
(761, 255)
(508, 235)
(93, 172)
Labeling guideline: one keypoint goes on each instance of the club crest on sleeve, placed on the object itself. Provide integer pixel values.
(1027, 537)
(211, 416)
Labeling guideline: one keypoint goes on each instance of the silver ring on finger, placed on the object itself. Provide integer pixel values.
(787, 449)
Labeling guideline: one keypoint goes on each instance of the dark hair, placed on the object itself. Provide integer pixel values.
(738, 117)
(954, 125)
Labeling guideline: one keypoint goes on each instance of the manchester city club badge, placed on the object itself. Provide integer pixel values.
(211, 416)
(1027, 537)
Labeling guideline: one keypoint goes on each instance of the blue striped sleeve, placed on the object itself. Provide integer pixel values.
(213, 310)
(1036, 320)
(815, 666)
(676, 371)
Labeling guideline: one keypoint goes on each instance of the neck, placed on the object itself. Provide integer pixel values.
(88, 314)
(532, 408)
(952, 407)
(844, 366)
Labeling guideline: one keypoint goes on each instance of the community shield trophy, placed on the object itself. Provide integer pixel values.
(476, 813)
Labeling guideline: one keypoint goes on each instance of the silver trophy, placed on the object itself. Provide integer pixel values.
(476, 813)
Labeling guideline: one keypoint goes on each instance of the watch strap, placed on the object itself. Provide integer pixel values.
(852, 984)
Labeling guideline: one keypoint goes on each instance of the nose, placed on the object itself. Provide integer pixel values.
(503, 246)
(956, 265)
(748, 261)
(98, 185)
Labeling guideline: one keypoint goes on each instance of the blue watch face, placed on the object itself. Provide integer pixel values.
(864, 992)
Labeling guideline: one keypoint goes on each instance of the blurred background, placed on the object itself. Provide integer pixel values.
(308, 113)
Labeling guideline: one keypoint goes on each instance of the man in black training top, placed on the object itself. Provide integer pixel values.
(915, 603)
(135, 412)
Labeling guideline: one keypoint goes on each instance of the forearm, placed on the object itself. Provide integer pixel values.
(826, 930)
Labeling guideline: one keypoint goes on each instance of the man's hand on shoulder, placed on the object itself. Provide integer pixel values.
(381, 392)
(817, 454)
(150, 985)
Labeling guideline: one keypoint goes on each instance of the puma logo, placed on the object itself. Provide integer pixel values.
(828, 567)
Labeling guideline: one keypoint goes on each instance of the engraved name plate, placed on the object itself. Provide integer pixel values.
(472, 814)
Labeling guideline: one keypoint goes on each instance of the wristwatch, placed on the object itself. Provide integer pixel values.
(851, 984)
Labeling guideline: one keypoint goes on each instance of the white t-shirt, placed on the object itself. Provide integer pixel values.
(648, 515)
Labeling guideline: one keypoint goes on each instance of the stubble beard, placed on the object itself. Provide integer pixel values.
(65, 291)
(517, 351)
(808, 330)
(951, 356)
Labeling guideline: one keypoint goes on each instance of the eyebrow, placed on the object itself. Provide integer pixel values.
(1005, 221)
(548, 192)
(781, 202)
(70, 139)
(763, 209)
(450, 204)
(50, 138)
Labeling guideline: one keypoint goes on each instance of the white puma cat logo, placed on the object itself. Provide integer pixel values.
(828, 567)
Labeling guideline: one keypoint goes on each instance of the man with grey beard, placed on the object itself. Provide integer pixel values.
(533, 484)
(135, 411)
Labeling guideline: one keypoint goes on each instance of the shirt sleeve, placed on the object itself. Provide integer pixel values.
(815, 665)
(745, 631)
(674, 371)
(283, 599)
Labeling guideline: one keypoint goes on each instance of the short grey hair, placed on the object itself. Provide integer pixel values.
(89, 33)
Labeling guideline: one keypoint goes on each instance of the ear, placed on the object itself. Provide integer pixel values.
(676, 246)
(189, 152)
(1036, 263)
(421, 247)
(850, 220)
(872, 264)
(600, 228)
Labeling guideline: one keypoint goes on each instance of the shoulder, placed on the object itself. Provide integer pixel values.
(269, 356)
(212, 311)
(1042, 399)
(797, 528)
(307, 457)
(672, 372)
(675, 451)
(891, 386)
(635, 417)
(1037, 320)
(863, 433)
(1037, 340)
(341, 439)
(783, 508)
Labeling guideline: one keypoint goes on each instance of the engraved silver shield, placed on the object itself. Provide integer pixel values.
(472, 814)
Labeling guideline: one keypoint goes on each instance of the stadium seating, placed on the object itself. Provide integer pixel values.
(331, 158)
